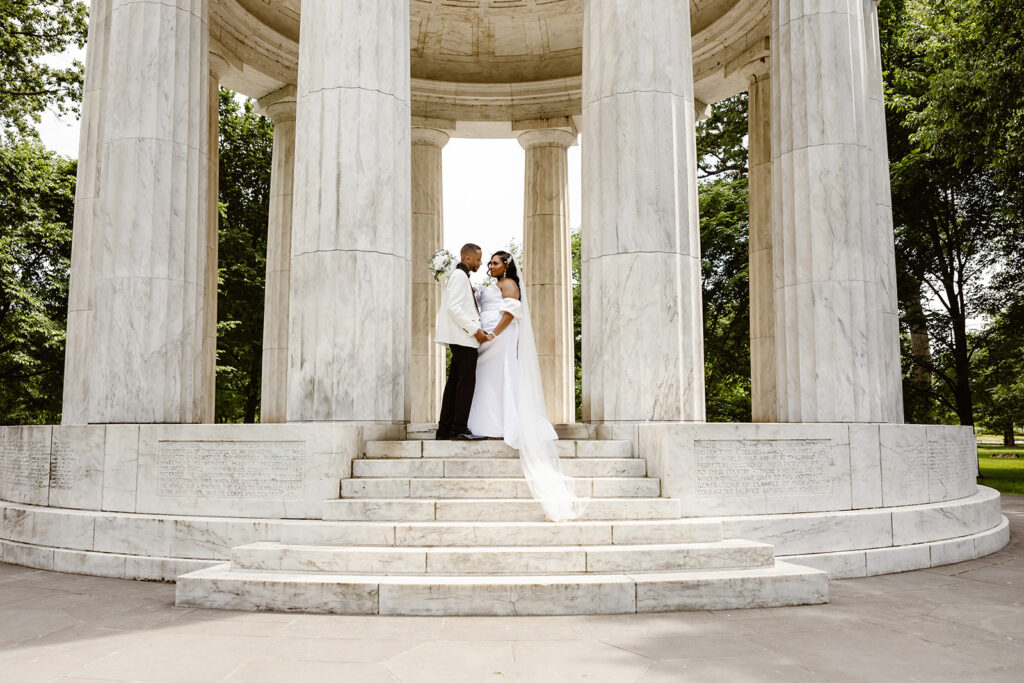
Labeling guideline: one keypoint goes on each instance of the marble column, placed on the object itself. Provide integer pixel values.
(148, 327)
(833, 266)
(549, 261)
(643, 347)
(218, 65)
(84, 243)
(426, 378)
(280, 107)
(764, 404)
(349, 297)
(892, 390)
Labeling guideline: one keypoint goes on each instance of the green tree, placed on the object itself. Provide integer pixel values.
(37, 202)
(724, 229)
(726, 295)
(31, 30)
(969, 106)
(246, 150)
(1000, 375)
(953, 220)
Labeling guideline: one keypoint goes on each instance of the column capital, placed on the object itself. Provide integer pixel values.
(547, 137)
(758, 71)
(430, 136)
(279, 105)
(222, 59)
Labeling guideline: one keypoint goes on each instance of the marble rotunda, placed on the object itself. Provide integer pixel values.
(335, 502)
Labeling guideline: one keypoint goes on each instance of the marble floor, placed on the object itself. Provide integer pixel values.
(956, 623)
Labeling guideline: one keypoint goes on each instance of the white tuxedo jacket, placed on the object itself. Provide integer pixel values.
(459, 319)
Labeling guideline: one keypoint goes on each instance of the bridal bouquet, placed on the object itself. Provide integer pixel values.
(440, 264)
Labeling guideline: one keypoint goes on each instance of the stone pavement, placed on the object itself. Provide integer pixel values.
(957, 623)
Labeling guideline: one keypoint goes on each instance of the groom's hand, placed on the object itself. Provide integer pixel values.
(481, 336)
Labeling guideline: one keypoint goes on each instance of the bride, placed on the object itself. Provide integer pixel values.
(509, 399)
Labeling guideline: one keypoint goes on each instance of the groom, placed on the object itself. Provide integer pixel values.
(458, 328)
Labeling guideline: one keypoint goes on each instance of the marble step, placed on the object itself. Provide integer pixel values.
(607, 487)
(492, 467)
(641, 532)
(781, 585)
(426, 431)
(730, 554)
(491, 449)
(490, 509)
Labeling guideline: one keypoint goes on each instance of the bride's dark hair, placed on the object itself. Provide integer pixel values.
(511, 272)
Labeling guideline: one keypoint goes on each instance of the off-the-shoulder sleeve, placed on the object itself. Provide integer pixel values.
(511, 306)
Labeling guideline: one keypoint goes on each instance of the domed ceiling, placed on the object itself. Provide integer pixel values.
(471, 43)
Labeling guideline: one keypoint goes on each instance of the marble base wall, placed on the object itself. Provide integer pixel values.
(162, 547)
(267, 471)
(734, 469)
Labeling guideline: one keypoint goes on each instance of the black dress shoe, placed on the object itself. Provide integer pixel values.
(468, 437)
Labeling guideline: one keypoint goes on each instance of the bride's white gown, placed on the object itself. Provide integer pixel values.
(495, 410)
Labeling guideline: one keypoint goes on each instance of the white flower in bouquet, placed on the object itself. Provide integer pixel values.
(441, 263)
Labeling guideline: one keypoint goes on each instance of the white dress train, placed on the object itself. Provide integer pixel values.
(508, 402)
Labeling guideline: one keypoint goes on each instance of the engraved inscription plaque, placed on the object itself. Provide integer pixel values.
(65, 465)
(25, 465)
(947, 463)
(769, 467)
(230, 469)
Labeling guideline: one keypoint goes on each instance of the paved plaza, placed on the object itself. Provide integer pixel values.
(954, 623)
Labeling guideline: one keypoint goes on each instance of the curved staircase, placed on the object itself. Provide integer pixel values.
(449, 528)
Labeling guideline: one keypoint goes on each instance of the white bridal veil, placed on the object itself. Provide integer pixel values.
(537, 452)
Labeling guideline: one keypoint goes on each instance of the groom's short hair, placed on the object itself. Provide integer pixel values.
(468, 249)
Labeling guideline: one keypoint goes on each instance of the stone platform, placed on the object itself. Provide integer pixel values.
(473, 542)
(453, 523)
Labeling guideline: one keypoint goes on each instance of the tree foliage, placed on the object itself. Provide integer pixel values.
(30, 32)
(968, 103)
(722, 165)
(246, 151)
(957, 227)
(37, 203)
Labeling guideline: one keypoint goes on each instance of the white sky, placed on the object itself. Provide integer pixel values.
(483, 182)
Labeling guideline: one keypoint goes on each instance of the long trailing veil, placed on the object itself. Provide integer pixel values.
(537, 452)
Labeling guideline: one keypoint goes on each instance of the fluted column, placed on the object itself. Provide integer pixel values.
(764, 403)
(642, 323)
(208, 377)
(147, 333)
(832, 247)
(84, 242)
(280, 107)
(892, 388)
(426, 378)
(348, 337)
(548, 257)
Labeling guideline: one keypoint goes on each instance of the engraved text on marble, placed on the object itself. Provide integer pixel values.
(769, 467)
(230, 469)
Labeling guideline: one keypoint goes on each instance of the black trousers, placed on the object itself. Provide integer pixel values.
(458, 392)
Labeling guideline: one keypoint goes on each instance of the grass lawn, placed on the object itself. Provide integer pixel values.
(1003, 474)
